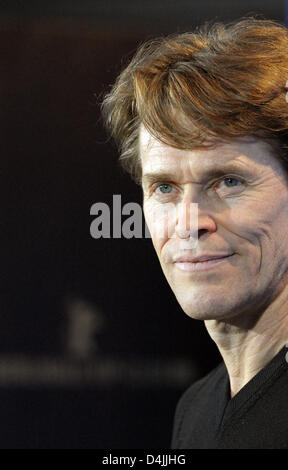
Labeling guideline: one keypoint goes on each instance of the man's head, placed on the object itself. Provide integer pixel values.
(206, 111)
(241, 191)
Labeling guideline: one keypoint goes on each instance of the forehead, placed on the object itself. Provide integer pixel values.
(245, 151)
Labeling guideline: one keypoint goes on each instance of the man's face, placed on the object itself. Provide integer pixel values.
(242, 195)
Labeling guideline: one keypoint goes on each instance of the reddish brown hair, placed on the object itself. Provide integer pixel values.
(221, 81)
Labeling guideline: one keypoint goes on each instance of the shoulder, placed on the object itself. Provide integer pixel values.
(190, 396)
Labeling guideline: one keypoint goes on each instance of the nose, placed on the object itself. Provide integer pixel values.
(193, 221)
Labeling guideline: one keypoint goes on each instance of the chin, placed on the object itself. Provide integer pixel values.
(204, 315)
(206, 308)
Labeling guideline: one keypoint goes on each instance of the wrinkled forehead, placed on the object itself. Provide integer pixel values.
(248, 152)
(151, 147)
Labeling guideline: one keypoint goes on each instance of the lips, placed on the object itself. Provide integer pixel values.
(201, 263)
(201, 258)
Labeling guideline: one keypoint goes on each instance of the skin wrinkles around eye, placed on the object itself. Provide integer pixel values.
(227, 187)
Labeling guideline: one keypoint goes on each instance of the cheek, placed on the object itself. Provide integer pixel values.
(246, 221)
(161, 221)
(259, 231)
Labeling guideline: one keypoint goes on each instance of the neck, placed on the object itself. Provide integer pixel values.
(247, 344)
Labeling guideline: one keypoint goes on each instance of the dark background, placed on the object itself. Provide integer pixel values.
(94, 349)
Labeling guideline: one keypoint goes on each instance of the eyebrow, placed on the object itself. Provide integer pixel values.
(217, 171)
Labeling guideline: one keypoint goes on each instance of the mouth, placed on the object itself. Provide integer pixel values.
(192, 266)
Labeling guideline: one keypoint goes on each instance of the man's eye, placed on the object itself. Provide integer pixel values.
(164, 188)
(228, 182)
(231, 181)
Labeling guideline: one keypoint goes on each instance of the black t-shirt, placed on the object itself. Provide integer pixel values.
(255, 418)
